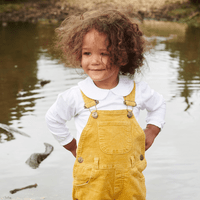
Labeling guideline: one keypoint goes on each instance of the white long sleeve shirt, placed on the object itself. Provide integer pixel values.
(70, 104)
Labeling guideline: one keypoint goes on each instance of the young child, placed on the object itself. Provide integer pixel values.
(110, 145)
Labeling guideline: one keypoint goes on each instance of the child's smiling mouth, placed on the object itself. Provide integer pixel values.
(96, 69)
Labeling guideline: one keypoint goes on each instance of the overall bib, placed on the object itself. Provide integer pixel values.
(110, 155)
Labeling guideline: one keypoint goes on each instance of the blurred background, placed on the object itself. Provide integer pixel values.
(31, 77)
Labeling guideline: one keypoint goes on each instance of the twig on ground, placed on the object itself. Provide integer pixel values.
(29, 186)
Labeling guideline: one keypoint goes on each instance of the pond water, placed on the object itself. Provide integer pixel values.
(173, 69)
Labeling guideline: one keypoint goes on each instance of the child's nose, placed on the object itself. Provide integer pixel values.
(96, 59)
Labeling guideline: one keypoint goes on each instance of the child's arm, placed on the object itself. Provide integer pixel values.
(63, 110)
(71, 147)
(151, 132)
(155, 105)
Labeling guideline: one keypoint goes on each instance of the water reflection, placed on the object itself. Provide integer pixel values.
(18, 68)
(21, 45)
(187, 51)
(5, 136)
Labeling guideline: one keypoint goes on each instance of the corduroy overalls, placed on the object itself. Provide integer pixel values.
(110, 155)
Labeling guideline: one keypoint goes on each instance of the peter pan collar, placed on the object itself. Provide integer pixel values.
(123, 88)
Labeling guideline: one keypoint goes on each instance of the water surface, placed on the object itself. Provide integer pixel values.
(173, 69)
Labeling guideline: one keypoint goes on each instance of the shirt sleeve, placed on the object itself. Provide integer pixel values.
(155, 105)
(57, 116)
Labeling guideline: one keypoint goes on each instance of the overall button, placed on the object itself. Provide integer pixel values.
(130, 114)
(141, 157)
(80, 159)
(94, 115)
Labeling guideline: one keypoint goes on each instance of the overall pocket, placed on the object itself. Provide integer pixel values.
(115, 137)
(82, 175)
(96, 185)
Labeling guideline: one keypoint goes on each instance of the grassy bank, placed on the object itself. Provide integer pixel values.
(164, 10)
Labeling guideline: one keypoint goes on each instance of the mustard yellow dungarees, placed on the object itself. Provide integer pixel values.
(110, 155)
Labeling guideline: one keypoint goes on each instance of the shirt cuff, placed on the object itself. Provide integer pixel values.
(66, 140)
(156, 123)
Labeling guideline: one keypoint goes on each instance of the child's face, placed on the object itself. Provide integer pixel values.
(96, 60)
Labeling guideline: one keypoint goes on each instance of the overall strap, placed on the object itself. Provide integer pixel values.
(129, 100)
(88, 102)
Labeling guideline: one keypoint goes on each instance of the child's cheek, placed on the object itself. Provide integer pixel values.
(106, 61)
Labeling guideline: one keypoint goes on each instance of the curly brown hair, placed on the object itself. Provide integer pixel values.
(126, 43)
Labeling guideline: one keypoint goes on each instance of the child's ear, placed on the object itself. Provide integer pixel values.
(124, 63)
(123, 59)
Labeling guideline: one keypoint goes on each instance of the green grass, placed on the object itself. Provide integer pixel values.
(184, 14)
(10, 7)
(194, 22)
(181, 11)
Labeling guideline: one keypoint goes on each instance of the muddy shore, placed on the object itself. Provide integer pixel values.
(56, 11)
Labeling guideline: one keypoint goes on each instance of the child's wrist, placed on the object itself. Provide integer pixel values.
(71, 146)
(154, 129)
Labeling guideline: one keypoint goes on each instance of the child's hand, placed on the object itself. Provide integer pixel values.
(151, 132)
(71, 147)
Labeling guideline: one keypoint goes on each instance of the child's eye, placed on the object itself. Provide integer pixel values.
(105, 54)
(87, 53)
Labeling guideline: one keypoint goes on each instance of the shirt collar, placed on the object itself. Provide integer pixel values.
(123, 88)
